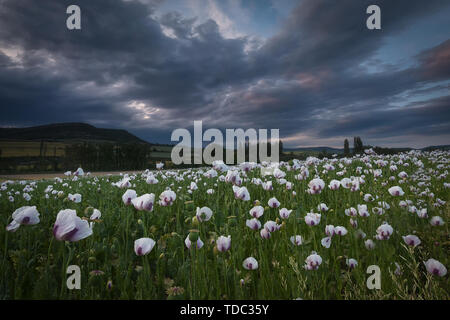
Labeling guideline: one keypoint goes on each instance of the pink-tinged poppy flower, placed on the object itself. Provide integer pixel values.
(316, 186)
(360, 234)
(79, 172)
(351, 263)
(340, 231)
(369, 244)
(312, 219)
(352, 212)
(23, 216)
(253, 224)
(354, 223)
(143, 246)
(435, 267)
(74, 197)
(233, 177)
(204, 214)
(403, 175)
(144, 202)
(378, 211)
(241, 193)
(362, 210)
(271, 226)
(326, 242)
(13, 226)
(384, 205)
(219, 165)
(151, 179)
(95, 215)
(296, 240)
(411, 240)
(247, 166)
(210, 191)
(277, 173)
(284, 213)
(384, 231)
(223, 243)
(289, 185)
(128, 196)
(422, 213)
(334, 184)
(188, 243)
(329, 230)
(403, 204)
(256, 211)
(267, 186)
(273, 203)
(159, 165)
(265, 234)
(193, 186)
(322, 207)
(396, 191)
(346, 183)
(436, 221)
(124, 183)
(398, 269)
(166, 198)
(412, 209)
(313, 261)
(250, 263)
(69, 227)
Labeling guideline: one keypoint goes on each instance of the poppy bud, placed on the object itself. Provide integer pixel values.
(194, 221)
(193, 235)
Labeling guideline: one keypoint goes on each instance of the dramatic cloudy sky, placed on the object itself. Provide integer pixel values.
(308, 67)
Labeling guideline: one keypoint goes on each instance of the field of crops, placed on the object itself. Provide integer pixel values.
(309, 230)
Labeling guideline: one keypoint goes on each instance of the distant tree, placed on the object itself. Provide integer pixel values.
(41, 149)
(346, 147)
(357, 145)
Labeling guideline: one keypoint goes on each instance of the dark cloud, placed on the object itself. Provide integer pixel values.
(427, 118)
(129, 67)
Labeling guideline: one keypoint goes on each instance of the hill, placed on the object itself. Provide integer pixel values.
(66, 132)
(315, 149)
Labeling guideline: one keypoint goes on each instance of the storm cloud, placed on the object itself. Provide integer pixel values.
(319, 76)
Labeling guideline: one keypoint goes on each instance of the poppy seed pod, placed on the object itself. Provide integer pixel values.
(193, 235)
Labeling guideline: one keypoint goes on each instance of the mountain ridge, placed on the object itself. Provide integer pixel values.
(69, 131)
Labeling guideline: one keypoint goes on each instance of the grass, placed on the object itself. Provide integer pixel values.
(33, 263)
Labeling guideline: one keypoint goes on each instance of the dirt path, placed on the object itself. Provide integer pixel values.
(40, 176)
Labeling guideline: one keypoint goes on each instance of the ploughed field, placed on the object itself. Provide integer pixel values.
(366, 227)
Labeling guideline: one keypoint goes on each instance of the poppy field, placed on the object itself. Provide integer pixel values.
(291, 230)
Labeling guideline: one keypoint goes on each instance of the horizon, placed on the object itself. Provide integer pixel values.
(204, 142)
(308, 68)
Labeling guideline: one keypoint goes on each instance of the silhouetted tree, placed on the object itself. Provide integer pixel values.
(346, 147)
(357, 145)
